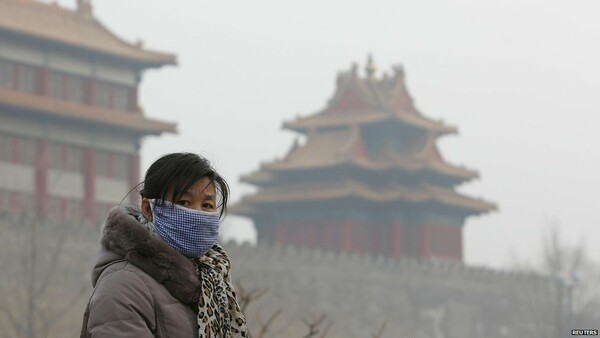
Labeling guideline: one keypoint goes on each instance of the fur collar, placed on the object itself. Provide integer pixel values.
(125, 236)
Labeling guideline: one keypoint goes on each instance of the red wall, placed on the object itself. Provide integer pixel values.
(337, 235)
(441, 241)
(395, 239)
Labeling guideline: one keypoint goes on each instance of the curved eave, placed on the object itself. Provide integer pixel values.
(257, 178)
(452, 171)
(44, 106)
(322, 120)
(242, 209)
(461, 174)
(142, 58)
(269, 197)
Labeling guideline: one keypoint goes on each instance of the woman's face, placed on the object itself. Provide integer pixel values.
(200, 196)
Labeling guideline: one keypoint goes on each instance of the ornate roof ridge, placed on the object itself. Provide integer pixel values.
(358, 96)
(344, 261)
(74, 28)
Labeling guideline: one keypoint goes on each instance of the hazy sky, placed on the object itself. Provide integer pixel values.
(518, 78)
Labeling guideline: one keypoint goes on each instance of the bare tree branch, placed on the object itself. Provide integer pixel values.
(51, 267)
(64, 310)
(246, 298)
(38, 247)
(19, 329)
(264, 327)
(326, 330)
(313, 326)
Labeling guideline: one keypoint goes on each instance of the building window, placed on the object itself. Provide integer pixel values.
(102, 163)
(6, 148)
(27, 151)
(65, 157)
(56, 85)
(121, 98)
(27, 77)
(73, 157)
(120, 166)
(112, 165)
(54, 156)
(7, 74)
(17, 149)
(75, 89)
(102, 95)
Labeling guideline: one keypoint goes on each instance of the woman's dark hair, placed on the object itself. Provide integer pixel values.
(177, 172)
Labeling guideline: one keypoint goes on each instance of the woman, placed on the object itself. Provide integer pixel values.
(159, 272)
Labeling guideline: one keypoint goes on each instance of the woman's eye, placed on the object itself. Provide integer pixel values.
(208, 206)
(183, 203)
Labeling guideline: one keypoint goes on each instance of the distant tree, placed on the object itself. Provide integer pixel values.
(316, 326)
(574, 277)
(44, 266)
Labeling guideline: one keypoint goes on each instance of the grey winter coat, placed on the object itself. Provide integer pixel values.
(142, 287)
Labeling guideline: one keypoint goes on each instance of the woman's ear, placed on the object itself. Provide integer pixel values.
(146, 209)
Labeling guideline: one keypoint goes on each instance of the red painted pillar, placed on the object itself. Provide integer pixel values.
(459, 245)
(42, 85)
(347, 236)
(16, 81)
(64, 207)
(396, 239)
(90, 184)
(15, 200)
(90, 92)
(111, 96)
(15, 150)
(375, 233)
(65, 86)
(133, 99)
(41, 178)
(281, 233)
(134, 178)
(425, 241)
(313, 240)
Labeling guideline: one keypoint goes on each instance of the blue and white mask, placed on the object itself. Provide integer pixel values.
(188, 231)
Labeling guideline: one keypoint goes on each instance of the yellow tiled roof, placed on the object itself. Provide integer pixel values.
(319, 191)
(59, 25)
(134, 121)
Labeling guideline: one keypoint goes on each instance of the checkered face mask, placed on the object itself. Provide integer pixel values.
(188, 231)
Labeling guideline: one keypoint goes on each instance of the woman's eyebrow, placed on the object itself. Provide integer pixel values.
(192, 192)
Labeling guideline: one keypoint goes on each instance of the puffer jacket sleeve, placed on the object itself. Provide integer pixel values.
(121, 307)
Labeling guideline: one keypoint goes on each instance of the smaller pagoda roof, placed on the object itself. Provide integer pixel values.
(40, 105)
(322, 120)
(336, 148)
(77, 29)
(364, 100)
(258, 177)
(322, 191)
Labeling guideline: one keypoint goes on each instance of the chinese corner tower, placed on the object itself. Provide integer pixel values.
(368, 178)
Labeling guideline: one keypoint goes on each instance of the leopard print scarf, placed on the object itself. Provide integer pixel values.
(219, 314)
